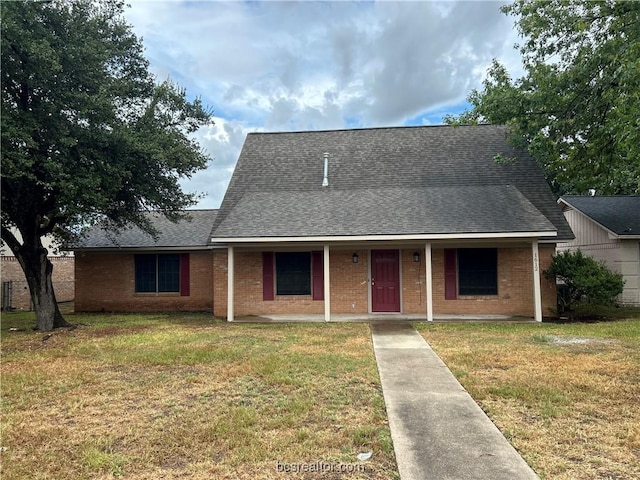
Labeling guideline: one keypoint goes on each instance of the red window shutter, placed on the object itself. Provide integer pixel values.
(450, 274)
(317, 275)
(185, 280)
(267, 276)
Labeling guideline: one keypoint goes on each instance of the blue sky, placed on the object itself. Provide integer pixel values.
(286, 66)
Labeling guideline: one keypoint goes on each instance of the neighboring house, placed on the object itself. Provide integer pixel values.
(411, 220)
(607, 228)
(15, 290)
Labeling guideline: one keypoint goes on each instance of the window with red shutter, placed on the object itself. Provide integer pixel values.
(267, 276)
(450, 274)
(185, 281)
(293, 273)
(317, 274)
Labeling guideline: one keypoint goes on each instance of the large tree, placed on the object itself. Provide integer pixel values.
(87, 134)
(577, 107)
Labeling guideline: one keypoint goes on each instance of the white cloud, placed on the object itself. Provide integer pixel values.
(223, 141)
(319, 65)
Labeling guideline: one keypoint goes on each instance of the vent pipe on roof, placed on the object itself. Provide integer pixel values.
(325, 178)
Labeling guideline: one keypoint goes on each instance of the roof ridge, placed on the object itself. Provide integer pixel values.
(187, 210)
(600, 196)
(389, 127)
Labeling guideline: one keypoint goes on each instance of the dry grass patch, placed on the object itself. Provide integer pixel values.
(566, 396)
(168, 396)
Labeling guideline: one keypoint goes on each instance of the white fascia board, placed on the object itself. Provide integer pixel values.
(368, 238)
(614, 236)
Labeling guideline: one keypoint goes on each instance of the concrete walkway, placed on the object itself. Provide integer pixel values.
(438, 431)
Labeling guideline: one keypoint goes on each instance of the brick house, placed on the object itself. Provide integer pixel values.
(607, 228)
(15, 294)
(132, 271)
(407, 220)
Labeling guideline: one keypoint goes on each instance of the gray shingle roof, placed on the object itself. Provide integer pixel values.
(385, 211)
(190, 232)
(419, 180)
(618, 213)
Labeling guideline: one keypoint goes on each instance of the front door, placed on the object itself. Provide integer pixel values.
(385, 281)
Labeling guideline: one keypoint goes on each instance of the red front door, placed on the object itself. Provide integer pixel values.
(385, 281)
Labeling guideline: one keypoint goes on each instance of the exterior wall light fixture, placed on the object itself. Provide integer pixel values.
(416, 257)
(355, 258)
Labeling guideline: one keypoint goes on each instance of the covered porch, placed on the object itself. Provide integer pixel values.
(345, 281)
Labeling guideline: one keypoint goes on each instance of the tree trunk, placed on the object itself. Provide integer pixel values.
(38, 270)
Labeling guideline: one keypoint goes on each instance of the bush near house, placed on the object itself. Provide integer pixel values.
(585, 280)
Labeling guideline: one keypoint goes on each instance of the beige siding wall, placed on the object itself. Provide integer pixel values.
(629, 266)
(621, 256)
(592, 239)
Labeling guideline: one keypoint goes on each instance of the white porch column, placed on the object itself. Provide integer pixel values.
(428, 281)
(230, 282)
(537, 296)
(327, 286)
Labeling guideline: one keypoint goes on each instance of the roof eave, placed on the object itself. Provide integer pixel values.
(624, 237)
(366, 238)
(131, 249)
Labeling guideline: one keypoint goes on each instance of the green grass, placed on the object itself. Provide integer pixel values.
(99, 456)
(185, 395)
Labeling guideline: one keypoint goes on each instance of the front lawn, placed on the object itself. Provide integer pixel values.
(567, 396)
(184, 396)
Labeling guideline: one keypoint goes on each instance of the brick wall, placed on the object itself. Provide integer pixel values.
(350, 287)
(349, 290)
(248, 291)
(413, 282)
(515, 285)
(219, 278)
(349, 281)
(106, 282)
(62, 277)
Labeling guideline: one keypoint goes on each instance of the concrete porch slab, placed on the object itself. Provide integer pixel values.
(378, 317)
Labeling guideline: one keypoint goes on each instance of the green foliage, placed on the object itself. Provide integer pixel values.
(87, 134)
(576, 107)
(585, 279)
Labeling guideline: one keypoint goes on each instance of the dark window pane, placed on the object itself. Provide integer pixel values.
(477, 271)
(145, 273)
(168, 273)
(293, 273)
(157, 273)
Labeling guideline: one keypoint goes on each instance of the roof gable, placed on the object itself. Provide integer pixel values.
(620, 214)
(368, 171)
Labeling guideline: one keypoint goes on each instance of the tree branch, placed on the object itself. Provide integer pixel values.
(10, 239)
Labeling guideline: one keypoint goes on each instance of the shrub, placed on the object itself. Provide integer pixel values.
(585, 279)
